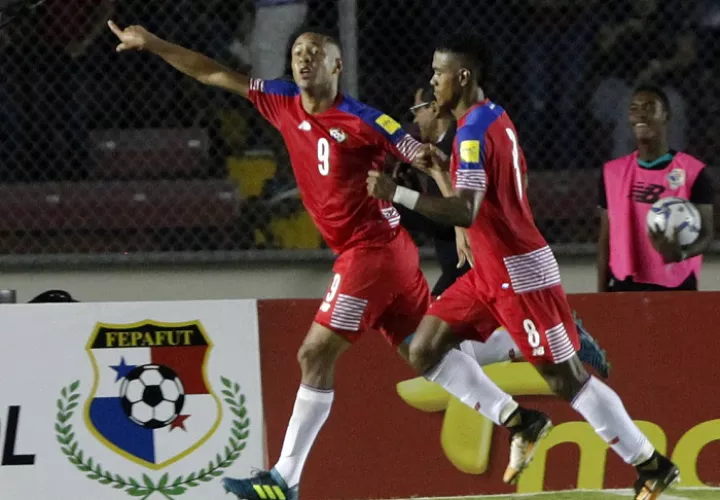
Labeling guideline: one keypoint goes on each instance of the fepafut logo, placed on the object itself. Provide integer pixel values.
(151, 403)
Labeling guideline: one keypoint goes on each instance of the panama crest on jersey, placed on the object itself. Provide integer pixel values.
(151, 401)
(676, 178)
(338, 134)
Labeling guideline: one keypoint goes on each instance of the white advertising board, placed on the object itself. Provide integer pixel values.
(149, 400)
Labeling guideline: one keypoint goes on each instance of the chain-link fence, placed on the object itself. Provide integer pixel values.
(112, 157)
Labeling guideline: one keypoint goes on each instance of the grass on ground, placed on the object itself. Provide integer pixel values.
(674, 494)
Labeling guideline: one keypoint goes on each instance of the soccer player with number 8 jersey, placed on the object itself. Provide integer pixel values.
(515, 281)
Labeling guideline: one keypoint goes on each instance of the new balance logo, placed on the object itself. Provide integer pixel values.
(646, 193)
(305, 126)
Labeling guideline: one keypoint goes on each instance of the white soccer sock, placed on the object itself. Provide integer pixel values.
(603, 409)
(312, 407)
(462, 377)
(498, 348)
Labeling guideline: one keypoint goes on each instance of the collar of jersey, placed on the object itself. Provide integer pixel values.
(661, 162)
(339, 99)
(475, 106)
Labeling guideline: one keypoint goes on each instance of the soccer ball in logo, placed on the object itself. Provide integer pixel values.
(152, 396)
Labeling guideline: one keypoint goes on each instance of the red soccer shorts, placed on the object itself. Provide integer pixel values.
(376, 287)
(540, 322)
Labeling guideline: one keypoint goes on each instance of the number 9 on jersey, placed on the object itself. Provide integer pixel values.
(323, 155)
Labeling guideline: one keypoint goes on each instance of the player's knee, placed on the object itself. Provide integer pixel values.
(559, 387)
(423, 356)
(572, 387)
(565, 380)
(315, 357)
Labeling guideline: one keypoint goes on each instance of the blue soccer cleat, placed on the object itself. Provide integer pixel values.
(263, 485)
(590, 351)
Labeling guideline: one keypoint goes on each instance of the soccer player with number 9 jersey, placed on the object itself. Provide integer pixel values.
(332, 140)
(515, 281)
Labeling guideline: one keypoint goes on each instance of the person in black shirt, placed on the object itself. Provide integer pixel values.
(436, 127)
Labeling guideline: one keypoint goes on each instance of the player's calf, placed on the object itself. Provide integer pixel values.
(317, 357)
(603, 409)
(318, 354)
(429, 345)
(462, 377)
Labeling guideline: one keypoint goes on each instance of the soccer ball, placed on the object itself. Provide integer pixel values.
(152, 396)
(670, 213)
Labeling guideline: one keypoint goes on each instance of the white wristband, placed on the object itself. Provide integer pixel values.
(406, 197)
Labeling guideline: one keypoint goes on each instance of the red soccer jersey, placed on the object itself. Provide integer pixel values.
(510, 253)
(331, 154)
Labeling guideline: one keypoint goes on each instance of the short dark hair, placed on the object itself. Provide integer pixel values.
(472, 49)
(330, 35)
(655, 90)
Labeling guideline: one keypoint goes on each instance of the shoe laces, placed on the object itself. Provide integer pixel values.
(257, 473)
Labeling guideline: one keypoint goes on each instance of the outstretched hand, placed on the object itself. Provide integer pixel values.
(132, 37)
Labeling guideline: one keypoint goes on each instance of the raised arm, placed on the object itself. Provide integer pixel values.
(193, 64)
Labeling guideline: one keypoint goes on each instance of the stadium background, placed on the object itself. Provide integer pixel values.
(121, 179)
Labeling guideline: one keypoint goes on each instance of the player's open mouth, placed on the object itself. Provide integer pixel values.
(305, 71)
(641, 125)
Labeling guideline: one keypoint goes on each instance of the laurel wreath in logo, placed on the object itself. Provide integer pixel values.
(145, 487)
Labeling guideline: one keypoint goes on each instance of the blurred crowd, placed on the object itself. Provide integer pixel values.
(563, 68)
